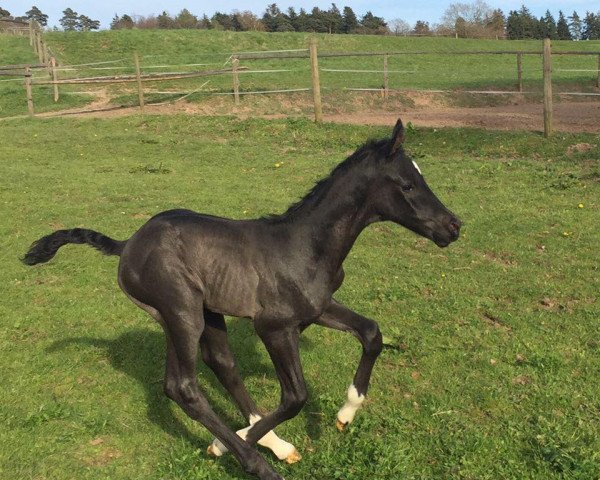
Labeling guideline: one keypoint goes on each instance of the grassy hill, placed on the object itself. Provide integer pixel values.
(15, 50)
(110, 53)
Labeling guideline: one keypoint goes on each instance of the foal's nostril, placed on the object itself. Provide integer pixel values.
(454, 227)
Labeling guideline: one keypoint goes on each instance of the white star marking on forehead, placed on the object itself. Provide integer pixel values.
(417, 167)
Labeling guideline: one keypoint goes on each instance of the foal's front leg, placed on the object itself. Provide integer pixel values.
(339, 317)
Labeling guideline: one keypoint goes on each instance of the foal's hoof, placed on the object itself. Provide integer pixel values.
(293, 457)
(211, 451)
(341, 426)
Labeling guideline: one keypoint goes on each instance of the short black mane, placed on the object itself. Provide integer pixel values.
(368, 154)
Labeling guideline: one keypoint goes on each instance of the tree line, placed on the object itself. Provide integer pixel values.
(463, 20)
(273, 19)
(70, 21)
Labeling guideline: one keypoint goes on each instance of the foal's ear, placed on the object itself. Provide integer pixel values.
(397, 137)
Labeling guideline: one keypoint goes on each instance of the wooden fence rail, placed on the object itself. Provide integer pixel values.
(312, 54)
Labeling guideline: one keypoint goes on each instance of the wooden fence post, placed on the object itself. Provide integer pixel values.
(31, 32)
(235, 63)
(40, 50)
(138, 76)
(520, 71)
(386, 77)
(316, 85)
(28, 91)
(547, 88)
(54, 78)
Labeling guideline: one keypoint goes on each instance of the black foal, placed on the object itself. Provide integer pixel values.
(187, 270)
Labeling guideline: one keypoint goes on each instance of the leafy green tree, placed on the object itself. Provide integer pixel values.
(4, 13)
(349, 21)
(36, 14)
(185, 19)
(69, 20)
(562, 27)
(575, 26)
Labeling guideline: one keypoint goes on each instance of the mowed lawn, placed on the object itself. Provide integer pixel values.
(492, 354)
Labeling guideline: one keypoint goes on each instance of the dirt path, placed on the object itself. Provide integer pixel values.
(571, 116)
(568, 117)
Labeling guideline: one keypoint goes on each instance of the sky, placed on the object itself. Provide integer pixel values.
(410, 12)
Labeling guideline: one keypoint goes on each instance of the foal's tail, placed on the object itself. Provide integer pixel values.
(46, 247)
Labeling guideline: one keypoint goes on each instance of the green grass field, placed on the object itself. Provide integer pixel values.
(171, 50)
(492, 352)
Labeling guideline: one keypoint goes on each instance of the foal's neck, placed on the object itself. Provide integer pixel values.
(333, 218)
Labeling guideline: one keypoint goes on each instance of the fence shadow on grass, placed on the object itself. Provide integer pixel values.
(140, 354)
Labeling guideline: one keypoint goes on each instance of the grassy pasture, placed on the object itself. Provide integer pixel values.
(170, 50)
(492, 353)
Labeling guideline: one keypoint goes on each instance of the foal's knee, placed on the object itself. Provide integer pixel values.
(216, 360)
(293, 402)
(372, 340)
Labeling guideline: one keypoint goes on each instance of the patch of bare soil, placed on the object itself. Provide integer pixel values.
(421, 109)
(568, 117)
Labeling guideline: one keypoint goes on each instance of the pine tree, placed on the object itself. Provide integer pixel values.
(562, 27)
(69, 20)
(591, 26)
(86, 24)
(514, 26)
(36, 14)
(317, 21)
(293, 18)
(124, 22)
(531, 25)
(548, 26)
(373, 24)
(575, 26)
(334, 19)
(422, 28)
(270, 17)
(349, 21)
(205, 23)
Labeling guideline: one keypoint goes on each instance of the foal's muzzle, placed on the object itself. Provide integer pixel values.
(450, 232)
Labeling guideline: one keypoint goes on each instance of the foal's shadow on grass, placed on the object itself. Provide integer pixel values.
(140, 354)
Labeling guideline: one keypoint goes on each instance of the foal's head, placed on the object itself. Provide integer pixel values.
(402, 196)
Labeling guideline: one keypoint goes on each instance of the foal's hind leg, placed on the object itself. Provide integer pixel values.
(217, 355)
(185, 326)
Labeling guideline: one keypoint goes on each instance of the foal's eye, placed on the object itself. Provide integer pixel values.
(407, 188)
